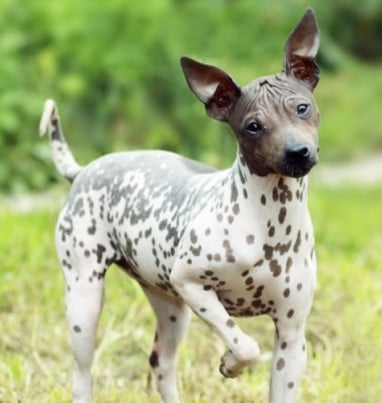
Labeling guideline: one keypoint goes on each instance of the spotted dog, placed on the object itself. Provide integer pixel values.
(223, 244)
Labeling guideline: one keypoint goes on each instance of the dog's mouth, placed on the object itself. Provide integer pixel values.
(298, 160)
(296, 169)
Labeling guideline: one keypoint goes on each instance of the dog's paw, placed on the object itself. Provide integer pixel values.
(230, 367)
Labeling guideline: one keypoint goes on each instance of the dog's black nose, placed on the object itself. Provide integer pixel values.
(298, 153)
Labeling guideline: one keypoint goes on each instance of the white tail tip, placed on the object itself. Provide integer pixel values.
(49, 109)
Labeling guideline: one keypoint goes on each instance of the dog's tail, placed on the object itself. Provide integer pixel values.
(62, 156)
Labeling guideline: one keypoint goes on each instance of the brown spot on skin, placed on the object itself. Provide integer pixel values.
(271, 231)
(230, 219)
(280, 364)
(229, 252)
(299, 287)
(250, 239)
(154, 359)
(77, 329)
(283, 345)
(306, 236)
(258, 292)
(208, 231)
(290, 313)
(283, 248)
(282, 215)
(268, 250)
(288, 264)
(275, 194)
(196, 251)
(275, 267)
(240, 301)
(236, 209)
(286, 292)
(219, 217)
(217, 257)
(245, 273)
(257, 303)
(248, 280)
(207, 287)
(290, 385)
(288, 230)
(297, 243)
(203, 310)
(230, 323)
(173, 318)
(263, 200)
(209, 256)
(259, 263)
(235, 340)
(193, 236)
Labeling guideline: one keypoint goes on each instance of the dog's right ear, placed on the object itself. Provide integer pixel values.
(215, 88)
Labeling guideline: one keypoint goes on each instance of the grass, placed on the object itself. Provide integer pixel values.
(344, 330)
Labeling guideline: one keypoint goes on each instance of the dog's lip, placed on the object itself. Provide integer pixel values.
(297, 170)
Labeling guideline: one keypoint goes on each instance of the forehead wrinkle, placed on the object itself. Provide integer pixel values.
(265, 89)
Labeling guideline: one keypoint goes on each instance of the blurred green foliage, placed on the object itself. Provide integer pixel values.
(113, 68)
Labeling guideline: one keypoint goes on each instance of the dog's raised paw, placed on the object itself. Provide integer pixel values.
(230, 367)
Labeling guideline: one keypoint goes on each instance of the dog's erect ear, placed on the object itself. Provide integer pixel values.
(301, 49)
(215, 88)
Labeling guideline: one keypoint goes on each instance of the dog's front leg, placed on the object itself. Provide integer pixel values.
(289, 361)
(242, 350)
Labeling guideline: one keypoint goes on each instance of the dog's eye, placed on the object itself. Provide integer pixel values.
(254, 128)
(302, 109)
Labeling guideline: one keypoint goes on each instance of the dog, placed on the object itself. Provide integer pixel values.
(219, 243)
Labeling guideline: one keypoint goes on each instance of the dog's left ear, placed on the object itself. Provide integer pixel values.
(301, 50)
(214, 87)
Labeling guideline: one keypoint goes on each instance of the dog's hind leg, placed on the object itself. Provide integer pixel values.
(84, 270)
(84, 302)
(172, 321)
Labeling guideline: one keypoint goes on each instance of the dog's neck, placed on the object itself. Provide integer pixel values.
(272, 188)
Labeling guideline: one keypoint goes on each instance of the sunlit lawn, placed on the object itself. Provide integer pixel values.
(344, 332)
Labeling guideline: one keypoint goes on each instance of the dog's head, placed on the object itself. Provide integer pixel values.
(275, 118)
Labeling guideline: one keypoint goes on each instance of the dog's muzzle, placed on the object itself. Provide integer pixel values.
(298, 160)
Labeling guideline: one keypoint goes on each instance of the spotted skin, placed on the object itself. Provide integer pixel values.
(223, 244)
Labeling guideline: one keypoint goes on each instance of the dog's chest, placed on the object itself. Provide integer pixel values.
(258, 258)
